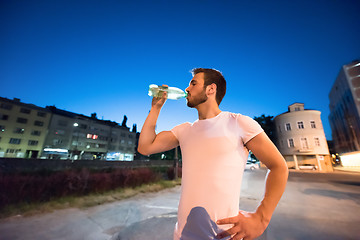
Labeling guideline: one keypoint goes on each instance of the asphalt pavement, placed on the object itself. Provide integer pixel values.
(314, 206)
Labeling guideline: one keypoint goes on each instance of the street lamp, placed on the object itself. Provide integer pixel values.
(77, 139)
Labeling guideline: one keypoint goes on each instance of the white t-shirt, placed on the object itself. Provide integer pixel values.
(213, 160)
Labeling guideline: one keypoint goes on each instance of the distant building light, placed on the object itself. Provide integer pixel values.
(59, 150)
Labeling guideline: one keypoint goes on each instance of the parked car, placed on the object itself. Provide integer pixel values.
(251, 166)
(308, 167)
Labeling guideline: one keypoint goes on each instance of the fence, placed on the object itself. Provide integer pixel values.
(11, 165)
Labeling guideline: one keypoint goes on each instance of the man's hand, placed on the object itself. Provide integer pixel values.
(247, 226)
(158, 102)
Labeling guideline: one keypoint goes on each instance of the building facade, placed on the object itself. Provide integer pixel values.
(28, 131)
(344, 107)
(23, 129)
(75, 136)
(301, 139)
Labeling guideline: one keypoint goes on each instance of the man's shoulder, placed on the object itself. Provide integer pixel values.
(235, 115)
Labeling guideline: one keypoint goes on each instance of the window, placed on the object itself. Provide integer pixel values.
(304, 143)
(33, 143)
(312, 124)
(288, 127)
(41, 114)
(62, 123)
(13, 150)
(15, 141)
(297, 109)
(19, 130)
(35, 133)
(92, 136)
(57, 141)
(6, 106)
(4, 117)
(25, 110)
(59, 132)
(291, 143)
(103, 138)
(39, 123)
(21, 120)
(317, 142)
(300, 125)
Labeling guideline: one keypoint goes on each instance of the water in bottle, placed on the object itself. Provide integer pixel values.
(172, 92)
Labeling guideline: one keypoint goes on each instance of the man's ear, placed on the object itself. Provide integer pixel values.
(211, 89)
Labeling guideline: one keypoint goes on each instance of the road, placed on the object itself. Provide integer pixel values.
(314, 206)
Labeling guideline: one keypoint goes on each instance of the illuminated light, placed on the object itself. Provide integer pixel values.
(76, 124)
(89, 136)
(55, 150)
(350, 159)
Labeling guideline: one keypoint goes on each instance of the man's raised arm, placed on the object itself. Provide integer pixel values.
(149, 141)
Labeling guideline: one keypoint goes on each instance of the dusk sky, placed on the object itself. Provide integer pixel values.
(101, 56)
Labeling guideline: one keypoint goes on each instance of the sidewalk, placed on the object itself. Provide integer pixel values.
(347, 169)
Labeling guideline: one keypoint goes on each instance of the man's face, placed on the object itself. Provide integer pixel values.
(196, 91)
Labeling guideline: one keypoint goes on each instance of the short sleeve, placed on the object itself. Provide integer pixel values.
(179, 129)
(248, 127)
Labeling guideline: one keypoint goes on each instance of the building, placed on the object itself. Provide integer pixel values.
(301, 139)
(344, 107)
(76, 136)
(29, 131)
(23, 129)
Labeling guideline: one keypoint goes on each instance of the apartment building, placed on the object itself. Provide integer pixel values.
(29, 131)
(344, 107)
(301, 139)
(75, 136)
(23, 128)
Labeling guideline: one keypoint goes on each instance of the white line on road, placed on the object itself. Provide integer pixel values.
(161, 207)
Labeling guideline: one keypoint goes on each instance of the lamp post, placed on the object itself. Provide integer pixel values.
(77, 139)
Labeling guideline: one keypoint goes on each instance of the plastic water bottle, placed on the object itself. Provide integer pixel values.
(172, 92)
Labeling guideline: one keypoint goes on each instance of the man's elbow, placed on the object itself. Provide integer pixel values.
(285, 170)
(143, 150)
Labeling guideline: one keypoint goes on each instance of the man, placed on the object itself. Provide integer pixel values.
(214, 153)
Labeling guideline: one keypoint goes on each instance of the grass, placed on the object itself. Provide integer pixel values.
(29, 209)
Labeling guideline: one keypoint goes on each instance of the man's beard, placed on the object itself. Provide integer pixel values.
(197, 100)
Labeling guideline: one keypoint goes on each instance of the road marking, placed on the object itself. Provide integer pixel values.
(161, 207)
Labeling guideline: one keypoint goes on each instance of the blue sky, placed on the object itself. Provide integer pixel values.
(100, 56)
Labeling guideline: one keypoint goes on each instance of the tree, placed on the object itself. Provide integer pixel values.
(267, 123)
(124, 121)
(134, 128)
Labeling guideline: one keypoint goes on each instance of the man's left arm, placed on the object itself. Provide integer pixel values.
(251, 225)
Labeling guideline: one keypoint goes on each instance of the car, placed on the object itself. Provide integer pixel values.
(308, 167)
(251, 166)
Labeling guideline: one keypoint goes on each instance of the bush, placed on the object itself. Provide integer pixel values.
(171, 173)
(34, 187)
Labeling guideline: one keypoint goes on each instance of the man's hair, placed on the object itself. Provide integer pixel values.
(213, 76)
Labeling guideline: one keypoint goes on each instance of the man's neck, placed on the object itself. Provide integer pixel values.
(207, 110)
